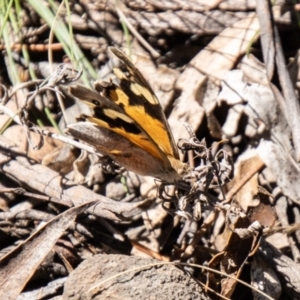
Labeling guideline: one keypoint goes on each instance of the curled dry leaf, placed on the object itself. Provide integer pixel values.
(236, 252)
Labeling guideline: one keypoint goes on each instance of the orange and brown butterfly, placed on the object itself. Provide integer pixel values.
(127, 123)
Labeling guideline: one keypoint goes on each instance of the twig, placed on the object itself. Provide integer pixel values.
(21, 191)
(134, 32)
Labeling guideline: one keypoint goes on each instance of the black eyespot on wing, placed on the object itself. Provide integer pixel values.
(95, 102)
(82, 118)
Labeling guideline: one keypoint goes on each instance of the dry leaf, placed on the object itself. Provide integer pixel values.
(19, 265)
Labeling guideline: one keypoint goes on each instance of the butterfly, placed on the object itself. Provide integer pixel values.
(127, 123)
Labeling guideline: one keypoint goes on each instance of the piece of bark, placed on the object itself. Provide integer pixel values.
(128, 277)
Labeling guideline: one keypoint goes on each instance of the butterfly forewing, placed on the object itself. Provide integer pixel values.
(139, 102)
(107, 114)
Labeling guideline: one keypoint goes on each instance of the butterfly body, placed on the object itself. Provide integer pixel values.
(127, 123)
